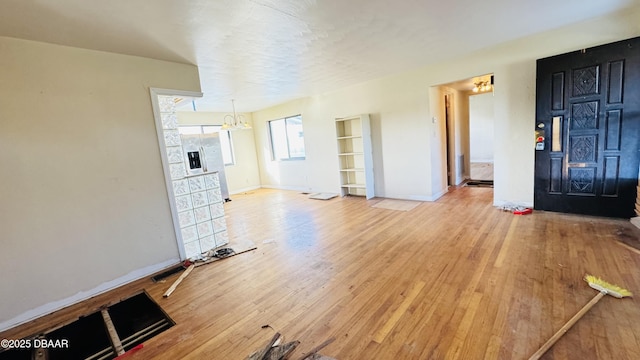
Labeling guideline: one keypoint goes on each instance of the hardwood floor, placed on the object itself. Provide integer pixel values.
(451, 279)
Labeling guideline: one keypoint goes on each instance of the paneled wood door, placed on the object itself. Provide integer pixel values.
(588, 112)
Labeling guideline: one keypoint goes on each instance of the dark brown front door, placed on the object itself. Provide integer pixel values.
(588, 112)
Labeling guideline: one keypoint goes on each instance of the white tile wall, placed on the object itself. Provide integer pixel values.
(184, 203)
(186, 218)
(180, 187)
(177, 171)
(219, 224)
(169, 120)
(172, 138)
(198, 198)
(214, 196)
(174, 155)
(212, 181)
(202, 214)
(196, 183)
(208, 242)
(222, 238)
(205, 229)
(217, 210)
(192, 249)
(189, 233)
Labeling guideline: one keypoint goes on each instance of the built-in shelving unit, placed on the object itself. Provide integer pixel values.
(355, 156)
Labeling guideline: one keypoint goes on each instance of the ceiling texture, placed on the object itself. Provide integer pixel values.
(266, 52)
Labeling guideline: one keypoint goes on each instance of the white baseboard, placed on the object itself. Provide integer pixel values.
(84, 295)
(240, 191)
(438, 195)
(433, 197)
(291, 188)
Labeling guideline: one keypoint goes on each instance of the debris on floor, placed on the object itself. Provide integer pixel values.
(179, 280)
(522, 211)
(322, 196)
(203, 259)
(206, 258)
(174, 270)
(313, 354)
(210, 256)
(275, 350)
(516, 209)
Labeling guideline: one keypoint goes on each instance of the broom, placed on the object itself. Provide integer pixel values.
(604, 288)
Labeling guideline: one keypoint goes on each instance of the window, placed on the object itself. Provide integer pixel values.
(225, 139)
(287, 138)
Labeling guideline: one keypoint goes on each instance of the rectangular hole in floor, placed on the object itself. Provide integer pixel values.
(135, 320)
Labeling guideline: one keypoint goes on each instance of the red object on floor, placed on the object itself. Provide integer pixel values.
(522, 212)
(133, 349)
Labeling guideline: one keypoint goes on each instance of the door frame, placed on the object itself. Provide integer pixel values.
(450, 138)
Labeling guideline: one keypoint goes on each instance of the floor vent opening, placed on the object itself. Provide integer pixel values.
(101, 335)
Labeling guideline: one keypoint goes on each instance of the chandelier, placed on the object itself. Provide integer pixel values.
(235, 121)
(482, 86)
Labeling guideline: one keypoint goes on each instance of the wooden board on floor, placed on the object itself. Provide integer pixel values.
(238, 246)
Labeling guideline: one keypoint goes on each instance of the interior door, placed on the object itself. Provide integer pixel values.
(588, 116)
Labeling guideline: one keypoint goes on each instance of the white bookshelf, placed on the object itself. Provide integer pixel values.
(355, 156)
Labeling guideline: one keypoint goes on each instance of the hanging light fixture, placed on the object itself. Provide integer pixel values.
(482, 86)
(235, 121)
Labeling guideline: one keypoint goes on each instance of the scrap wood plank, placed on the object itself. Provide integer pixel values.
(262, 353)
(313, 354)
(319, 357)
(274, 352)
(179, 280)
(280, 352)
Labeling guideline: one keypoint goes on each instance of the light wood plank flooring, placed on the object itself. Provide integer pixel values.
(451, 279)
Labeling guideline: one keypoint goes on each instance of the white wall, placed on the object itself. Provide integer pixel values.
(392, 107)
(244, 174)
(83, 204)
(481, 129)
(408, 143)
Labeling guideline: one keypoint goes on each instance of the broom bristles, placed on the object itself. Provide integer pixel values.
(603, 286)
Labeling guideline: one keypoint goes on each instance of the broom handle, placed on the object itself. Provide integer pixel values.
(538, 354)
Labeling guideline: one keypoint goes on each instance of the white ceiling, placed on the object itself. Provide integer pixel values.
(265, 52)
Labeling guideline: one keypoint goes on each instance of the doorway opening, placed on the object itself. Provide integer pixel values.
(467, 107)
(481, 140)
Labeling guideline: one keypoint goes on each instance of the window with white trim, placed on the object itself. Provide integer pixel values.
(287, 138)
